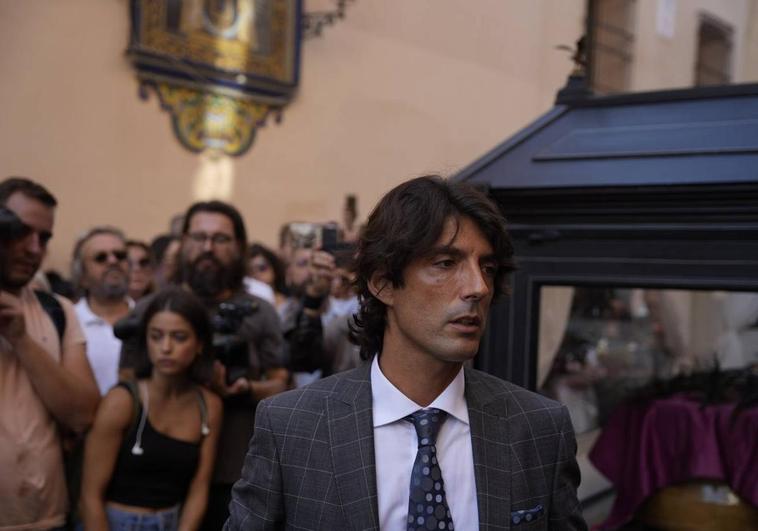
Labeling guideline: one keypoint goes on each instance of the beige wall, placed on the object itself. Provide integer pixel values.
(663, 62)
(750, 57)
(396, 89)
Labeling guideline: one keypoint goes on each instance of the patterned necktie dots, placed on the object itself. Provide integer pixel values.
(427, 505)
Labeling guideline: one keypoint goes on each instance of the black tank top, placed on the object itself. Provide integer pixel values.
(157, 478)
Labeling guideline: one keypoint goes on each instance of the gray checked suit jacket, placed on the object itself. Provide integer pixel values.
(310, 464)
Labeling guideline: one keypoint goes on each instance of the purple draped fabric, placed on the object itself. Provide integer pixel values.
(646, 446)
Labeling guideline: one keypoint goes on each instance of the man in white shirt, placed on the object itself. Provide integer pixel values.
(100, 270)
(415, 439)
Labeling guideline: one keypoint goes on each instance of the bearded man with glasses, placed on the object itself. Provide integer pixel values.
(212, 264)
(100, 272)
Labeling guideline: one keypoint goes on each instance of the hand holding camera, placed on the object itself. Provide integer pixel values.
(231, 351)
(221, 385)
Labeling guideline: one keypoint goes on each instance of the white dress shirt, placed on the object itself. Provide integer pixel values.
(396, 444)
(103, 348)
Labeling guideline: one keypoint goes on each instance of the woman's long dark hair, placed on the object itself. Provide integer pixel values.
(182, 302)
(406, 225)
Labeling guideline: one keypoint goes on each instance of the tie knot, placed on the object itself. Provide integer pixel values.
(427, 423)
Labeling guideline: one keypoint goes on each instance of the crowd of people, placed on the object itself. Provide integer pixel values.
(201, 382)
(176, 340)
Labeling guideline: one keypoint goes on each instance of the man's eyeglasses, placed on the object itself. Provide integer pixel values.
(218, 238)
(102, 256)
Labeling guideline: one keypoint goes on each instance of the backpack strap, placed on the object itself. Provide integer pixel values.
(53, 308)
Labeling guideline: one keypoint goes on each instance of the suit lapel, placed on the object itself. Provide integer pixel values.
(489, 439)
(351, 432)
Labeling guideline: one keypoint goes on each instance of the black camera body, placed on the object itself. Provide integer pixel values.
(230, 349)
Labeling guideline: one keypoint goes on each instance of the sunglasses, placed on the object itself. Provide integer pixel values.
(102, 256)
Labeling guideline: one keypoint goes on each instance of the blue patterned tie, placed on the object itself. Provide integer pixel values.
(427, 506)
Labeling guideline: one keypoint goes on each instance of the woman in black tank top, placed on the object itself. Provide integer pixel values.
(149, 455)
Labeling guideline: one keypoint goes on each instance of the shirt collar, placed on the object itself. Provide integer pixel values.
(88, 317)
(391, 405)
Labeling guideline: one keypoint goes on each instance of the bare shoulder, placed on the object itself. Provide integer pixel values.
(116, 409)
(212, 401)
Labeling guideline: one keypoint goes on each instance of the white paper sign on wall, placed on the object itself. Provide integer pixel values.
(665, 19)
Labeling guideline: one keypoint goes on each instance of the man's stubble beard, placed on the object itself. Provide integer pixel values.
(7, 283)
(10, 284)
(110, 291)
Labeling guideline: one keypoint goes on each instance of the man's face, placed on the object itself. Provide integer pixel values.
(105, 269)
(170, 262)
(441, 310)
(209, 253)
(23, 257)
(260, 269)
(298, 269)
(140, 270)
(342, 284)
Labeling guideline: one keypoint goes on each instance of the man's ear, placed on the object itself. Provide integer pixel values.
(381, 288)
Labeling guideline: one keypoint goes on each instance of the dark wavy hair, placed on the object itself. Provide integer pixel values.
(405, 226)
(239, 269)
(182, 302)
(280, 280)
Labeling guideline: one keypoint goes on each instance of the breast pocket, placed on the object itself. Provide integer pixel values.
(529, 519)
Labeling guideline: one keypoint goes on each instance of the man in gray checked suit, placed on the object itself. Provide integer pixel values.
(415, 439)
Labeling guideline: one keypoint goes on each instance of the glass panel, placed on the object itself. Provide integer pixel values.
(599, 344)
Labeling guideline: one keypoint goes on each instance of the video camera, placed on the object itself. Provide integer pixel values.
(230, 349)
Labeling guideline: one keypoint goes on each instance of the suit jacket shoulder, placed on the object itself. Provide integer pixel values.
(484, 389)
(524, 455)
(344, 386)
(310, 464)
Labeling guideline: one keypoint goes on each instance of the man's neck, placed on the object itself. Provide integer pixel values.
(421, 380)
(110, 310)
